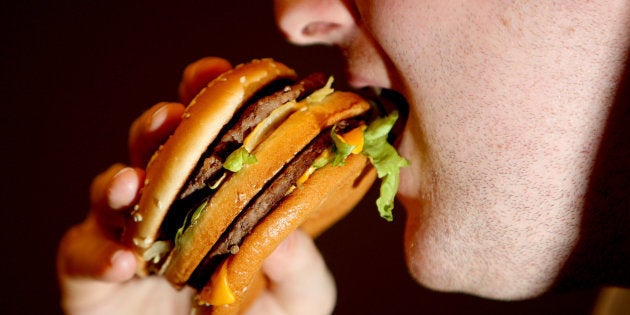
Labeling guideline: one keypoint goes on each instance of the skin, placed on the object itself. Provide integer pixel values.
(508, 105)
(103, 281)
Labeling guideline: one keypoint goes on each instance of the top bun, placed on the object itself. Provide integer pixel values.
(202, 121)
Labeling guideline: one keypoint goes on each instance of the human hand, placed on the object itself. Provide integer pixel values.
(97, 273)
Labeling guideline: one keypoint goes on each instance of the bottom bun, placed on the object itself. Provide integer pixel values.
(327, 196)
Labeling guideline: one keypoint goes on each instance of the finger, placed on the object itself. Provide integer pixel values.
(197, 75)
(86, 253)
(123, 188)
(113, 193)
(116, 188)
(300, 282)
(99, 184)
(151, 129)
(154, 126)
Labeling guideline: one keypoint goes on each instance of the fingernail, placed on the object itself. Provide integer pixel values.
(120, 194)
(157, 118)
(121, 171)
(190, 71)
(117, 257)
(122, 266)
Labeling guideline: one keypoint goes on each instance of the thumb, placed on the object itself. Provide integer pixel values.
(299, 281)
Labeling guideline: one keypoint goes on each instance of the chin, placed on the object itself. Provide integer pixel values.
(435, 264)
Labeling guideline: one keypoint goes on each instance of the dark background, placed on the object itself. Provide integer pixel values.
(74, 76)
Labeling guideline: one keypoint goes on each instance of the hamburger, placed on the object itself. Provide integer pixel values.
(258, 154)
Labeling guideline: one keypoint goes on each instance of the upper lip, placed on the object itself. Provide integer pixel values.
(358, 77)
(359, 82)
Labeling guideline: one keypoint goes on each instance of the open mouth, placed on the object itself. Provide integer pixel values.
(388, 100)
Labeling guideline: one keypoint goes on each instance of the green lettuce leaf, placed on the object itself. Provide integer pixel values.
(189, 220)
(386, 161)
(238, 158)
(322, 160)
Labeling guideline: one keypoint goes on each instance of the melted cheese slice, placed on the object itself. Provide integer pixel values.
(221, 294)
(265, 127)
(355, 138)
(280, 114)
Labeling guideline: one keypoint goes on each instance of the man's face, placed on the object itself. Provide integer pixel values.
(505, 121)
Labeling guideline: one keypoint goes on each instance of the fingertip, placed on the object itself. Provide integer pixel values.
(163, 114)
(197, 74)
(123, 188)
(274, 264)
(100, 183)
(300, 282)
(295, 251)
(151, 129)
(157, 118)
(122, 266)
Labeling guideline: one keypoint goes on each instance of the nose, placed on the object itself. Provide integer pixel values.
(307, 22)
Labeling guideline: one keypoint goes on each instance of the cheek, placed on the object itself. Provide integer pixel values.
(389, 21)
